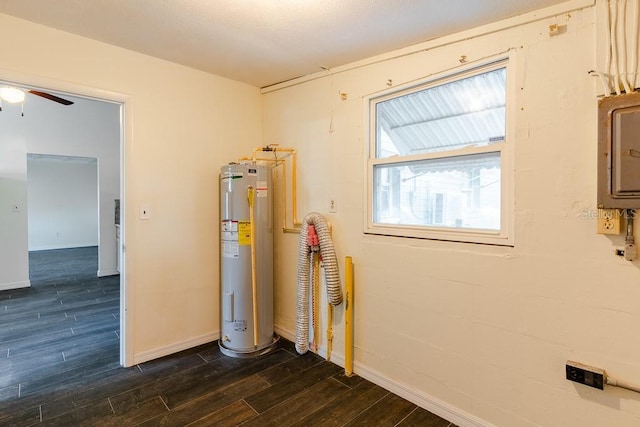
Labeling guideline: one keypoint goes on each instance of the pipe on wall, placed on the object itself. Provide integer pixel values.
(621, 60)
(289, 152)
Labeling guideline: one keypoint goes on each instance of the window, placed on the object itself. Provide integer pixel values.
(438, 156)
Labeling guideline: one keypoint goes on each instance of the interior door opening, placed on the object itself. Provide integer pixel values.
(85, 133)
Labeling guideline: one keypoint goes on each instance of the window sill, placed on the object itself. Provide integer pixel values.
(442, 234)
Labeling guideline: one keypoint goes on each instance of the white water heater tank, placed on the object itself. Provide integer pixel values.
(243, 334)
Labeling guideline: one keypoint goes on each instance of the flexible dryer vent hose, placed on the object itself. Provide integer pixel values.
(332, 275)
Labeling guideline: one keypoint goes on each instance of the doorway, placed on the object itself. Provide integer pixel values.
(62, 202)
(90, 128)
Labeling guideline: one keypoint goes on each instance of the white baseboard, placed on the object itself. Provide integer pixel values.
(285, 333)
(15, 285)
(337, 359)
(156, 353)
(425, 401)
(112, 272)
(58, 246)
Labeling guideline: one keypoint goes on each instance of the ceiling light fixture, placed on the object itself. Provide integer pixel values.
(11, 94)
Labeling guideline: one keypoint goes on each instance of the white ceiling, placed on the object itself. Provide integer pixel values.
(263, 42)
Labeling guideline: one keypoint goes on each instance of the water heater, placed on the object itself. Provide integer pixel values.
(246, 247)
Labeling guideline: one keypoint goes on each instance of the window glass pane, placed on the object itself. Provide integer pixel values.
(463, 113)
(458, 192)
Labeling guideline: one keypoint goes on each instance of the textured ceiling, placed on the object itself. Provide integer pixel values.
(263, 42)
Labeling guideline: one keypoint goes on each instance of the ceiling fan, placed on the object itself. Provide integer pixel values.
(14, 95)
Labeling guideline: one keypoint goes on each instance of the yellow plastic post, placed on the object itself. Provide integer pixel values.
(348, 315)
(254, 279)
(316, 301)
(329, 330)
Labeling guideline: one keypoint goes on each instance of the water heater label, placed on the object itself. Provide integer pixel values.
(229, 233)
(229, 230)
(240, 325)
(230, 250)
(261, 189)
(244, 232)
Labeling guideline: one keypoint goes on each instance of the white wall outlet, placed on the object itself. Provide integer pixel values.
(333, 207)
(144, 212)
(608, 221)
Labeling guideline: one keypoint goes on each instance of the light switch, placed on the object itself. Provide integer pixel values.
(333, 206)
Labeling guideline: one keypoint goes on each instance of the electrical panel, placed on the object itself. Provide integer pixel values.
(619, 152)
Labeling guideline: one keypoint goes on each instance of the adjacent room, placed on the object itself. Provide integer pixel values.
(469, 168)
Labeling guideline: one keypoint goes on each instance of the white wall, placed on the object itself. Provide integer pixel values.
(62, 202)
(14, 249)
(180, 126)
(88, 128)
(479, 334)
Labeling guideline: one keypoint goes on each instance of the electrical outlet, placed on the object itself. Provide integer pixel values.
(608, 221)
(587, 375)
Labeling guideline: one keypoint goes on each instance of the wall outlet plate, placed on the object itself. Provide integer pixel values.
(609, 221)
(333, 206)
(144, 212)
(585, 374)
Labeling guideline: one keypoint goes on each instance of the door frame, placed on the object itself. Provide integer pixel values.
(126, 133)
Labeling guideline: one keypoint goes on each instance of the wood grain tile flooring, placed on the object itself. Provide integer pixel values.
(59, 366)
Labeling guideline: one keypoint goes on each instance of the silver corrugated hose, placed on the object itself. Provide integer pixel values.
(302, 305)
(332, 275)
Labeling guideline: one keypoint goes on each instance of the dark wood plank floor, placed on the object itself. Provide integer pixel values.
(59, 365)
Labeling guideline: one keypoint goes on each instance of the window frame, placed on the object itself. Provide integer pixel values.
(501, 237)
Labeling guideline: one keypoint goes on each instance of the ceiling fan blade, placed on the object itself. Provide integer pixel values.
(51, 97)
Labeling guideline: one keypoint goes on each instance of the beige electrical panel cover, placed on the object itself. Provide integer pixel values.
(619, 151)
